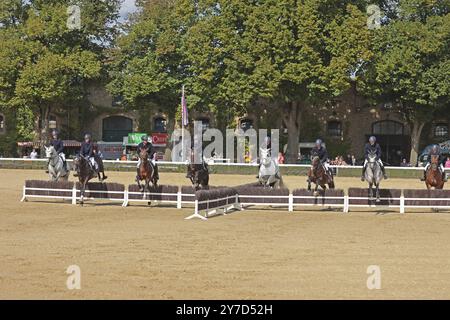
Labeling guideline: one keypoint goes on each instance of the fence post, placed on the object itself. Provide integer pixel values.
(74, 193)
(346, 204)
(125, 197)
(23, 195)
(179, 199)
(291, 202)
(402, 203)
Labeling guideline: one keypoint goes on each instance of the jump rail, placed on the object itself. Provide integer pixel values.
(222, 199)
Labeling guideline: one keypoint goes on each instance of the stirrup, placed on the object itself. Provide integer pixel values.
(363, 178)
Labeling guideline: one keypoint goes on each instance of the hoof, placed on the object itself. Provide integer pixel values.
(316, 193)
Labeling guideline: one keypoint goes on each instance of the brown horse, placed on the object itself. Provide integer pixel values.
(318, 175)
(198, 173)
(434, 175)
(145, 172)
(85, 172)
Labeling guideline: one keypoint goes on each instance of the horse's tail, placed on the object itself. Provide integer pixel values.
(281, 184)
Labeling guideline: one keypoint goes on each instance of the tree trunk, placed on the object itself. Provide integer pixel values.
(44, 136)
(291, 119)
(416, 131)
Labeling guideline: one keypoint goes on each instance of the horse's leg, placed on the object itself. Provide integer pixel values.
(377, 191)
(370, 190)
(83, 187)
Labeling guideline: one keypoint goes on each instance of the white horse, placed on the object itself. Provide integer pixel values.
(269, 171)
(56, 168)
(373, 176)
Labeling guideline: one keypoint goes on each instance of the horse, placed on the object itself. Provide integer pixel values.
(56, 169)
(269, 172)
(318, 175)
(373, 175)
(198, 174)
(145, 172)
(85, 172)
(434, 175)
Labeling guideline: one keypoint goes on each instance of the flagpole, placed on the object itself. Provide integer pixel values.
(182, 125)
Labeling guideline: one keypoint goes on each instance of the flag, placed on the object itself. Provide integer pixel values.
(184, 110)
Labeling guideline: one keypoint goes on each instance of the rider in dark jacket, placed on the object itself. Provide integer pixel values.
(372, 147)
(58, 144)
(320, 151)
(435, 150)
(146, 145)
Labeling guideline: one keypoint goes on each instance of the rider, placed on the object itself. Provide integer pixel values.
(58, 144)
(372, 147)
(320, 151)
(196, 147)
(267, 145)
(87, 151)
(435, 150)
(146, 145)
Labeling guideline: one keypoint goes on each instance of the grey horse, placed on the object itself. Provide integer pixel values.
(373, 175)
(56, 168)
(269, 171)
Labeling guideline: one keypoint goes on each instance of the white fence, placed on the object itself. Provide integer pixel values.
(228, 164)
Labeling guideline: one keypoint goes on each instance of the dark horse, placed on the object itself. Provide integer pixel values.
(317, 174)
(198, 173)
(145, 172)
(86, 172)
(434, 175)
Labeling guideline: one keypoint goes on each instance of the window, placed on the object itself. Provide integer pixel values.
(2, 123)
(334, 128)
(246, 124)
(205, 123)
(441, 130)
(388, 127)
(159, 124)
(116, 127)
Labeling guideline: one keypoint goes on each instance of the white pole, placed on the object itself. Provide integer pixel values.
(182, 125)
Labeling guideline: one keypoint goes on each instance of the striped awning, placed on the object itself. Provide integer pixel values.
(37, 144)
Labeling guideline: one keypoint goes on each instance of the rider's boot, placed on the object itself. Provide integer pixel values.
(46, 170)
(424, 176)
(384, 172)
(363, 173)
(156, 172)
(444, 176)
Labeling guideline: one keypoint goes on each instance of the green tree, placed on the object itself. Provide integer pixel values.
(411, 65)
(230, 53)
(44, 60)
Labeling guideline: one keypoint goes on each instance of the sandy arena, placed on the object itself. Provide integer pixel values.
(153, 253)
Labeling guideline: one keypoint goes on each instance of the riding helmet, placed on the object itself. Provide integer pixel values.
(87, 136)
(144, 138)
(372, 139)
(319, 142)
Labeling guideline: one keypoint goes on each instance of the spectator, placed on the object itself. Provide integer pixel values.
(280, 158)
(404, 163)
(353, 160)
(447, 163)
(348, 160)
(341, 161)
(33, 154)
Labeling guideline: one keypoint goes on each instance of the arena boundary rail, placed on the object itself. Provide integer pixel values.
(219, 200)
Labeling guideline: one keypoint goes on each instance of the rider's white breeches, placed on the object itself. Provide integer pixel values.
(441, 167)
(63, 156)
(379, 162)
(327, 166)
(93, 163)
(151, 160)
